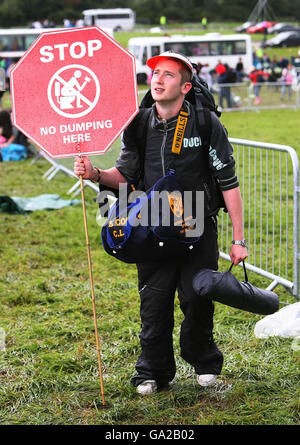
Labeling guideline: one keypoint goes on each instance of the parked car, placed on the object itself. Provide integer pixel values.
(244, 27)
(289, 38)
(260, 27)
(282, 27)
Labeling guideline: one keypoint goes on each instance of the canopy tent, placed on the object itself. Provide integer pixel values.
(262, 11)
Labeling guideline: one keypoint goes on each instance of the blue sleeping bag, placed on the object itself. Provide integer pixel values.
(14, 152)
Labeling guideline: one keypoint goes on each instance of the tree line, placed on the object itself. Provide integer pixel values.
(22, 13)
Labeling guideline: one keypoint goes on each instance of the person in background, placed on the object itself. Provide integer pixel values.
(163, 22)
(205, 75)
(257, 77)
(36, 24)
(7, 135)
(239, 70)
(289, 74)
(220, 68)
(226, 77)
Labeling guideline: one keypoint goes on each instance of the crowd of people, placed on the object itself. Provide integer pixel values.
(264, 69)
(68, 23)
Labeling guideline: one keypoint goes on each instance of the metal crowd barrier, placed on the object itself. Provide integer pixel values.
(242, 96)
(269, 183)
(57, 167)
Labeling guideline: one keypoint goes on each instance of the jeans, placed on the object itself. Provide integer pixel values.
(257, 89)
(283, 90)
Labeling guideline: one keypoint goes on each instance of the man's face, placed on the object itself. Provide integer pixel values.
(166, 83)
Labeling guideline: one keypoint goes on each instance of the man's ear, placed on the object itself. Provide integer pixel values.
(186, 87)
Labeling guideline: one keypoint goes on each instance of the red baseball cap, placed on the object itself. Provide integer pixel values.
(170, 54)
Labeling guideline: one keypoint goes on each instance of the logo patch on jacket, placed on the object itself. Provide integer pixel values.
(192, 142)
(175, 202)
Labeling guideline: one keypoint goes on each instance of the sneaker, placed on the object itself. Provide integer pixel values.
(147, 387)
(206, 379)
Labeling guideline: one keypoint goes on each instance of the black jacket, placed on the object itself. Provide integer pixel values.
(196, 166)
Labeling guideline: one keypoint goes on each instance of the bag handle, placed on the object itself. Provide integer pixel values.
(245, 272)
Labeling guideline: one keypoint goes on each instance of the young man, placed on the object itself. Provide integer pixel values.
(158, 282)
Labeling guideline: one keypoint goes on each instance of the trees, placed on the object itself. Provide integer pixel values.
(20, 13)
(10, 13)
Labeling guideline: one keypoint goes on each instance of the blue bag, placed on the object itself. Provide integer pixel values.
(157, 224)
(14, 152)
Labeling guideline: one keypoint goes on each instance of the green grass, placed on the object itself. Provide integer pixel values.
(273, 126)
(49, 372)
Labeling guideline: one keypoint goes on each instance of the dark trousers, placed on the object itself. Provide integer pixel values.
(158, 283)
(225, 94)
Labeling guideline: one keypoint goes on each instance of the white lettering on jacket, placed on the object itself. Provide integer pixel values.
(192, 142)
(215, 160)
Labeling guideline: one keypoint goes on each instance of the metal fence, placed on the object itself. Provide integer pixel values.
(56, 167)
(245, 96)
(269, 183)
(266, 95)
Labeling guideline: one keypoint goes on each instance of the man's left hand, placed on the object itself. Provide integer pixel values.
(238, 253)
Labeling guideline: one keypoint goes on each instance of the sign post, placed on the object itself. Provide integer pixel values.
(92, 287)
(73, 93)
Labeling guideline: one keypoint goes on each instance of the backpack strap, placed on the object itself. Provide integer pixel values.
(141, 137)
(204, 125)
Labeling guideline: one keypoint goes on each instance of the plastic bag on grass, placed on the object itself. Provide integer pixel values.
(284, 323)
(2, 340)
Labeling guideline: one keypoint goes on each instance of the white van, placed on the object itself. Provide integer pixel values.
(15, 42)
(118, 19)
(206, 49)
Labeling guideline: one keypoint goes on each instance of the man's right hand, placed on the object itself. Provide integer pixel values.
(83, 167)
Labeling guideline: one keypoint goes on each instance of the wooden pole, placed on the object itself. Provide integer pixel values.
(92, 289)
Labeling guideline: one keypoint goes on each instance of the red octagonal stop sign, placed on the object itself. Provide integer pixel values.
(74, 86)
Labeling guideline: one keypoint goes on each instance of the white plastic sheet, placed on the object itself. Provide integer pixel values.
(284, 323)
(2, 340)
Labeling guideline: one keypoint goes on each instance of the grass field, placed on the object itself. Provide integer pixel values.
(49, 373)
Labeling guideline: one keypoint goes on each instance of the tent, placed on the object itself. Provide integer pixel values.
(262, 11)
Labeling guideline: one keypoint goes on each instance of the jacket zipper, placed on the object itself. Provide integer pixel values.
(163, 145)
(207, 191)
